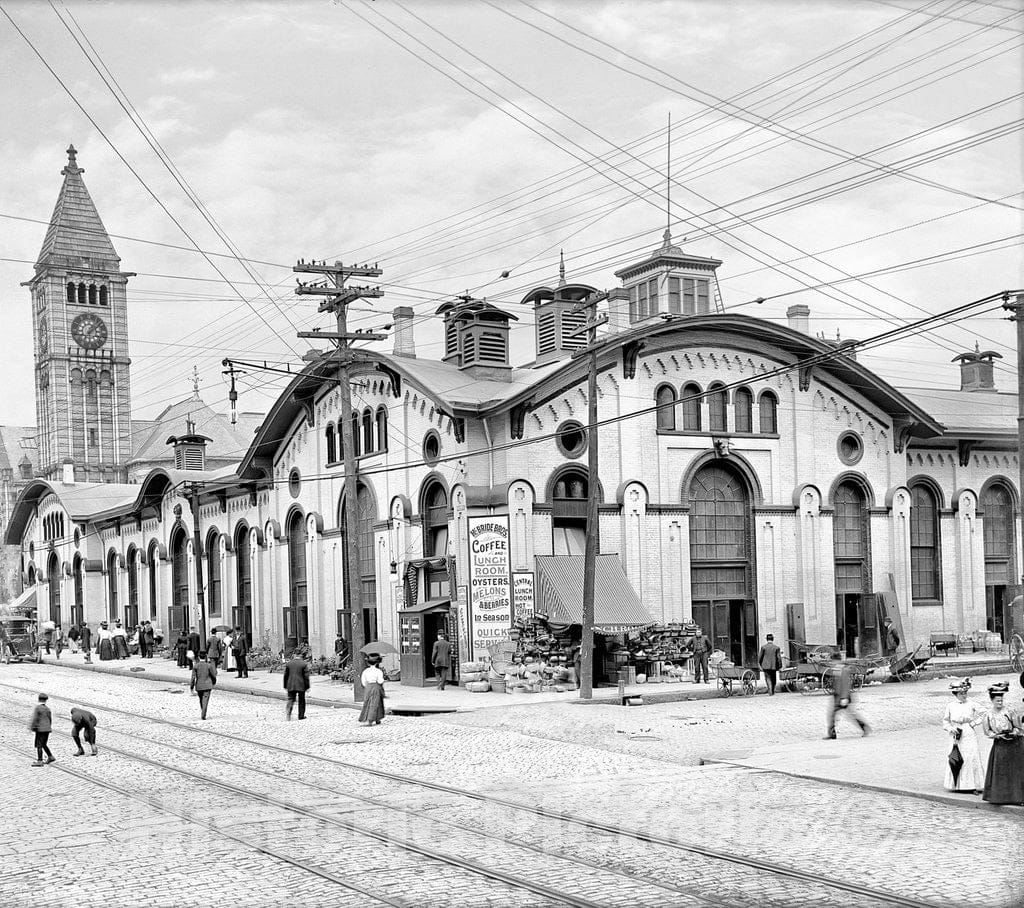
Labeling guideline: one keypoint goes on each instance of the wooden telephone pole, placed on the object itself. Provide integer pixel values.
(336, 299)
(593, 541)
(1016, 310)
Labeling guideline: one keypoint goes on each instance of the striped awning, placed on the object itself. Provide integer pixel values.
(617, 607)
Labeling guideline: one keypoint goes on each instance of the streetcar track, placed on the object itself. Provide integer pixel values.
(768, 867)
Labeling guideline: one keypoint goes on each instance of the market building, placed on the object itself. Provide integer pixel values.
(754, 479)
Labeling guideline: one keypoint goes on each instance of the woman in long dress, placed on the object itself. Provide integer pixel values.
(181, 645)
(1004, 782)
(961, 718)
(373, 693)
(104, 643)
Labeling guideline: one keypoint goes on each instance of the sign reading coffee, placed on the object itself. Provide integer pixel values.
(490, 593)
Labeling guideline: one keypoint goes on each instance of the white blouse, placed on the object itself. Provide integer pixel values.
(372, 675)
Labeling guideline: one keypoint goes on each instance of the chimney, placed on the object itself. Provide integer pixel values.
(189, 449)
(799, 318)
(69, 472)
(405, 343)
(977, 370)
(618, 310)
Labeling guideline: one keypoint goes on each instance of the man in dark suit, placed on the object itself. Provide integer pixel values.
(769, 658)
(193, 644)
(441, 659)
(701, 650)
(86, 640)
(83, 721)
(842, 698)
(890, 639)
(215, 649)
(296, 683)
(240, 649)
(204, 678)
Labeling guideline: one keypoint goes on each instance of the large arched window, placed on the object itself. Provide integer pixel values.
(435, 521)
(382, 429)
(78, 609)
(242, 615)
(131, 611)
(332, 448)
(152, 566)
(743, 410)
(768, 406)
(924, 543)
(665, 400)
(213, 584)
(851, 542)
(53, 577)
(569, 512)
(366, 516)
(367, 430)
(1000, 554)
(178, 612)
(691, 408)
(296, 616)
(112, 603)
(717, 405)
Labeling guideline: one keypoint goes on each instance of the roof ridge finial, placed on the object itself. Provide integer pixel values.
(561, 267)
(72, 165)
(977, 348)
(195, 381)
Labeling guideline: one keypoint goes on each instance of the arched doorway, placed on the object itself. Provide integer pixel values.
(722, 560)
(1000, 554)
(131, 611)
(112, 597)
(53, 581)
(856, 609)
(177, 614)
(78, 607)
(366, 516)
(296, 616)
(241, 613)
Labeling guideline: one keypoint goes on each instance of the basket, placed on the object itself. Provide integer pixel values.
(498, 685)
(478, 687)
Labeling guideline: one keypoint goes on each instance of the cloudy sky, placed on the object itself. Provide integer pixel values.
(811, 143)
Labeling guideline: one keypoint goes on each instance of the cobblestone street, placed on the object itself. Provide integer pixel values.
(617, 808)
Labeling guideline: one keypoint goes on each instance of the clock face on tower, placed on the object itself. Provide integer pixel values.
(89, 331)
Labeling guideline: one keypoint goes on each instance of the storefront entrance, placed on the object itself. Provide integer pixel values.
(419, 629)
(997, 599)
(731, 625)
(857, 624)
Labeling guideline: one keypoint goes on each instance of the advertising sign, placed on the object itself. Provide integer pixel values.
(490, 594)
(522, 596)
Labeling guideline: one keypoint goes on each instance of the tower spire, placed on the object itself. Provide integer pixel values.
(561, 267)
(668, 186)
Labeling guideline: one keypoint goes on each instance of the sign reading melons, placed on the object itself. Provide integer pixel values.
(490, 592)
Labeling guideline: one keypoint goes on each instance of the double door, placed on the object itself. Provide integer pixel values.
(857, 625)
(731, 625)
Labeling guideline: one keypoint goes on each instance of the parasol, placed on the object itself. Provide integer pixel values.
(378, 647)
(956, 762)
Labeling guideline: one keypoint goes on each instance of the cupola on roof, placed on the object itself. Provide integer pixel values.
(557, 320)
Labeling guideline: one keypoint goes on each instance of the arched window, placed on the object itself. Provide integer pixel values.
(743, 410)
(569, 513)
(768, 407)
(178, 612)
(92, 295)
(366, 516)
(81, 294)
(53, 577)
(851, 543)
(1000, 556)
(242, 616)
(382, 429)
(78, 609)
(296, 616)
(691, 408)
(665, 399)
(924, 543)
(152, 561)
(332, 449)
(717, 421)
(213, 584)
(357, 449)
(112, 605)
(367, 430)
(131, 611)
(103, 295)
(71, 292)
(435, 521)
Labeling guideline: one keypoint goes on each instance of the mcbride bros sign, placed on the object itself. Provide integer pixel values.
(490, 593)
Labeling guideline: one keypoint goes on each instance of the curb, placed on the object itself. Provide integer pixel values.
(947, 799)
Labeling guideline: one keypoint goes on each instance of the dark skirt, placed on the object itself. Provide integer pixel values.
(106, 650)
(373, 704)
(120, 648)
(182, 658)
(1004, 781)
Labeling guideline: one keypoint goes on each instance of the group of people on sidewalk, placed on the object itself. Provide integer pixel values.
(111, 642)
(231, 650)
(83, 723)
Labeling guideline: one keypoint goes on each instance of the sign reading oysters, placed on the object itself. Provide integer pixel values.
(490, 593)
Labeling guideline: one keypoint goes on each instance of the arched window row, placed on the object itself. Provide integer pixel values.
(88, 294)
(369, 435)
(684, 412)
(53, 527)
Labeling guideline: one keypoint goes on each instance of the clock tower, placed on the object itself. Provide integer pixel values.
(80, 330)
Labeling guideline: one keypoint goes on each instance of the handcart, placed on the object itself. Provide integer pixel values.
(744, 678)
(909, 666)
(806, 673)
(860, 670)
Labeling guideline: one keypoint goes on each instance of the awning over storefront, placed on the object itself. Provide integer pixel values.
(431, 605)
(617, 607)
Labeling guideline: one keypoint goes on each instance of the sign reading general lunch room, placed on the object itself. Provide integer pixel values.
(490, 593)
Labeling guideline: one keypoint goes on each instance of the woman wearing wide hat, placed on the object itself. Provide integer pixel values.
(964, 769)
(1004, 781)
(373, 692)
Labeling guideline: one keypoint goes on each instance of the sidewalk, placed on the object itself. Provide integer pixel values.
(426, 700)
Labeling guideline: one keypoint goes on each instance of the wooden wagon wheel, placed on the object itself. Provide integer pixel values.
(748, 682)
(1017, 653)
(725, 684)
(828, 681)
(907, 672)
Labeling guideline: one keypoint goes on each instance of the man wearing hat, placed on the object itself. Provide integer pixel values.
(842, 698)
(40, 725)
(701, 649)
(890, 639)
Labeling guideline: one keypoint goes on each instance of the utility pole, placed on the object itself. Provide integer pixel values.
(593, 541)
(336, 299)
(197, 545)
(1016, 310)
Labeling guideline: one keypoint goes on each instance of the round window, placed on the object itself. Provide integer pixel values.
(431, 448)
(294, 482)
(571, 438)
(851, 448)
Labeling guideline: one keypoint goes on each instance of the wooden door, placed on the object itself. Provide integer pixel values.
(750, 646)
(720, 636)
(867, 625)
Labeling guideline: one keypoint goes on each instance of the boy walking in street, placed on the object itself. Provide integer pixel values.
(204, 677)
(842, 699)
(41, 724)
(83, 721)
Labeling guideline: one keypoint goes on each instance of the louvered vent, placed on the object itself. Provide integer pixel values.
(573, 321)
(493, 348)
(189, 458)
(451, 337)
(546, 340)
(468, 349)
